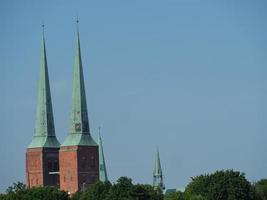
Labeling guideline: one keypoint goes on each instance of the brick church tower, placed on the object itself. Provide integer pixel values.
(78, 155)
(42, 159)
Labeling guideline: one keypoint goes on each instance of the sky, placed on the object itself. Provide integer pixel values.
(188, 76)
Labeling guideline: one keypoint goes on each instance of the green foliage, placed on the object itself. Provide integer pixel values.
(222, 185)
(145, 192)
(124, 189)
(19, 192)
(97, 191)
(77, 196)
(174, 196)
(197, 197)
(261, 189)
(18, 186)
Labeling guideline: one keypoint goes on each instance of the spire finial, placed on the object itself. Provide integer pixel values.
(99, 128)
(43, 27)
(77, 23)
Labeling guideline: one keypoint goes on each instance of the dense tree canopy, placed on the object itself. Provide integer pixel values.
(222, 185)
(174, 196)
(97, 191)
(19, 192)
(261, 189)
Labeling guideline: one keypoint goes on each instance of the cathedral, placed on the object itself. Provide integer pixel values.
(79, 160)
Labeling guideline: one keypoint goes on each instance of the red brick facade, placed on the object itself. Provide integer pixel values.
(42, 165)
(79, 166)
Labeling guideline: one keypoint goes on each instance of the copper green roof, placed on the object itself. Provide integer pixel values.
(44, 132)
(79, 133)
(157, 168)
(102, 165)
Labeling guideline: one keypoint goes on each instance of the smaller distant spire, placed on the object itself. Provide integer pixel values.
(157, 174)
(102, 165)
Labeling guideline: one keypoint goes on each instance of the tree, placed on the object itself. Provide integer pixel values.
(197, 197)
(16, 187)
(261, 189)
(19, 192)
(122, 190)
(178, 195)
(96, 191)
(146, 192)
(221, 185)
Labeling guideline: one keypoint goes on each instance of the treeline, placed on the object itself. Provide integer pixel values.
(221, 185)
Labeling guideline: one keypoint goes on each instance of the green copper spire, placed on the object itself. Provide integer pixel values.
(44, 132)
(157, 174)
(102, 165)
(79, 124)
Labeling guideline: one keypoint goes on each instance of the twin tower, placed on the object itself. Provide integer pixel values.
(79, 160)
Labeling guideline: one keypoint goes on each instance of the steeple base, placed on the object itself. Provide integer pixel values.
(79, 167)
(42, 167)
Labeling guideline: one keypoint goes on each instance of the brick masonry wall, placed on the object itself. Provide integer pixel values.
(39, 163)
(68, 169)
(88, 165)
(78, 167)
(51, 166)
(34, 169)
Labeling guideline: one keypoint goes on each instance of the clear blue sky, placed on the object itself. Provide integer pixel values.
(189, 76)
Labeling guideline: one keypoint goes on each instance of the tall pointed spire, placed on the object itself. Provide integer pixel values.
(102, 165)
(79, 124)
(157, 174)
(44, 132)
